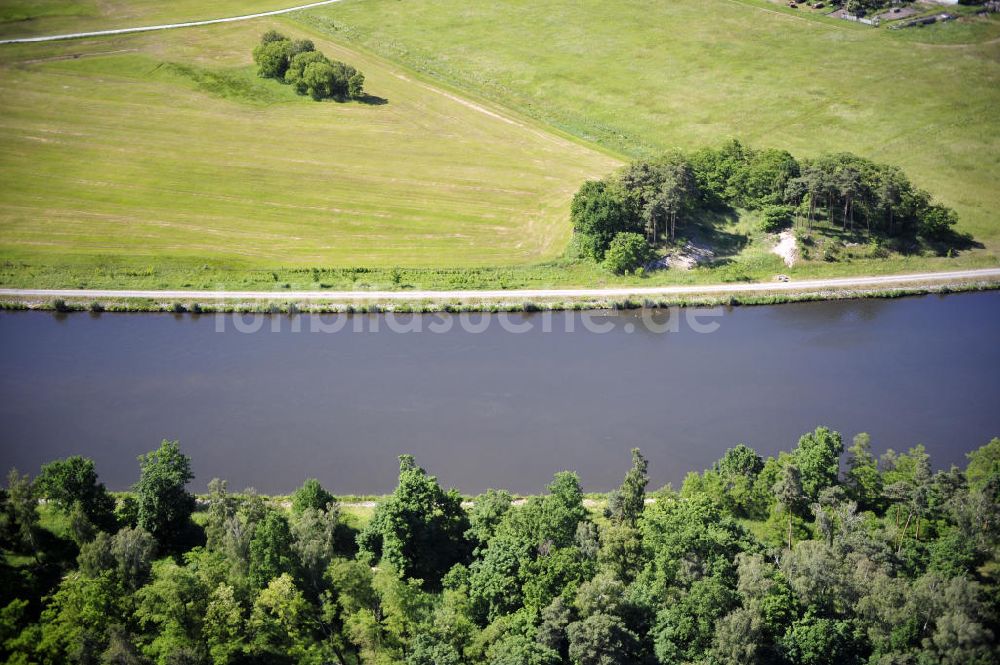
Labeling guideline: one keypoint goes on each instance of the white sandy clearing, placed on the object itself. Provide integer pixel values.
(786, 248)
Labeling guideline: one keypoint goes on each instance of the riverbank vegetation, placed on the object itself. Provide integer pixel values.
(293, 307)
(819, 555)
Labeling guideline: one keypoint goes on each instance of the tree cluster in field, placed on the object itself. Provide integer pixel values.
(795, 559)
(298, 63)
(864, 7)
(867, 7)
(659, 197)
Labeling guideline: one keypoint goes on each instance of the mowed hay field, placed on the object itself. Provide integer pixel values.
(165, 149)
(29, 18)
(642, 76)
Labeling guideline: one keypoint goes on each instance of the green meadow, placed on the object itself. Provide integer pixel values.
(165, 149)
(644, 76)
(160, 160)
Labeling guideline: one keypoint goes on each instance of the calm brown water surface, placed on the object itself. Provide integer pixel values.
(494, 408)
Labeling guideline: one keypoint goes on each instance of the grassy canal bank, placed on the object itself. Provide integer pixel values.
(290, 306)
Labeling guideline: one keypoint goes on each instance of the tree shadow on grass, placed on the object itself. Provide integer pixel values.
(953, 242)
(372, 100)
(713, 227)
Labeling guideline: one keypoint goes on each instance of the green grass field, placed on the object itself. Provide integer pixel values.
(166, 149)
(161, 161)
(655, 74)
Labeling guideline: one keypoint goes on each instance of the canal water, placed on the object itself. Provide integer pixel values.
(494, 400)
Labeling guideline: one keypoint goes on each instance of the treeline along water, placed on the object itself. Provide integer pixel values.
(481, 406)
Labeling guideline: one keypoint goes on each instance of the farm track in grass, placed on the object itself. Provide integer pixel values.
(164, 26)
(651, 75)
(165, 148)
(35, 18)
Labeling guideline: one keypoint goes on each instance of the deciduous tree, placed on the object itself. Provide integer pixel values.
(420, 529)
(72, 481)
(163, 502)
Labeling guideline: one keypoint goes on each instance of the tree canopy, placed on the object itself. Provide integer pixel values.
(667, 196)
(420, 529)
(811, 562)
(163, 504)
(73, 481)
(299, 64)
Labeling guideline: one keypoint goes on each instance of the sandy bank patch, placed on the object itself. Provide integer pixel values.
(786, 248)
(691, 255)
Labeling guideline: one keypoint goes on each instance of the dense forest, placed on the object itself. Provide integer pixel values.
(819, 555)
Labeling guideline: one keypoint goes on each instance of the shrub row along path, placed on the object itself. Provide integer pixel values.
(804, 286)
(165, 26)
